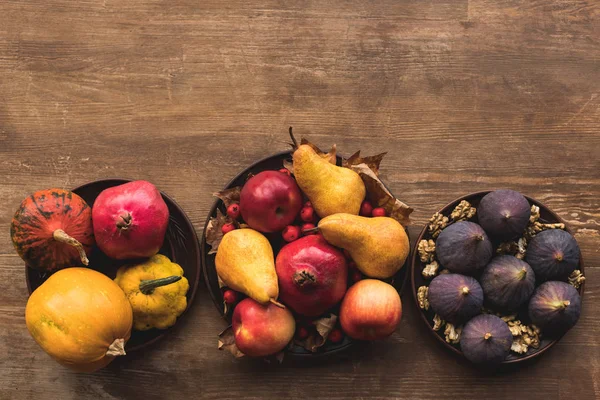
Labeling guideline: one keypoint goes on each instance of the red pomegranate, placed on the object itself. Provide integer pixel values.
(312, 275)
(52, 229)
(130, 220)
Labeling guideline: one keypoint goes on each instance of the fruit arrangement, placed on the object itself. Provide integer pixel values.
(76, 249)
(496, 280)
(306, 254)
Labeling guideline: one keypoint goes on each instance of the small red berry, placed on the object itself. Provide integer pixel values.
(285, 171)
(356, 276)
(335, 336)
(233, 210)
(378, 212)
(227, 228)
(229, 296)
(308, 204)
(366, 209)
(307, 214)
(347, 254)
(302, 333)
(291, 233)
(308, 227)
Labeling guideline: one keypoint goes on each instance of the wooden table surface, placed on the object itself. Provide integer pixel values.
(465, 95)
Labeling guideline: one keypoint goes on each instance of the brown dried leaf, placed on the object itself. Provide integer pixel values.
(372, 162)
(213, 231)
(227, 342)
(229, 196)
(323, 326)
(380, 196)
(287, 164)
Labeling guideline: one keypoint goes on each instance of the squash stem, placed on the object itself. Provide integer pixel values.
(61, 236)
(148, 286)
(117, 348)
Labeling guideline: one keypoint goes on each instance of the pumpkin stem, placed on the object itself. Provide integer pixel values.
(148, 286)
(124, 221)
(117, 348)
(278, 304)
(61, 236)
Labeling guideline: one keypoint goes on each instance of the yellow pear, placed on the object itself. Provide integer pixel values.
(330, 189)
(245, 263)
(379, 246)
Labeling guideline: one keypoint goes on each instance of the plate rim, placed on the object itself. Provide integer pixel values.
(414, 263)
(198, 257)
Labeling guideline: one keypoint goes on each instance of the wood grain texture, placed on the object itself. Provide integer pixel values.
(465, 95)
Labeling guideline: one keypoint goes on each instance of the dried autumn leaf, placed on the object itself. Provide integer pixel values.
(214, 235)
(229, 196)
(380, 196)
(323, 326)
(227, 342)
(372, 162)
(331, 156)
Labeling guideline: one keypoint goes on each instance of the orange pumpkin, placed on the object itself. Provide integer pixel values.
(81, 318)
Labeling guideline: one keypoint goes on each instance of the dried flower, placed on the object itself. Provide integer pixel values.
(535, 214)
(437, 322)
(576, 278)
(463, 211)
(422, 297)
(430, 270)
(524, 336)
(452, 333)
(436, 224)
(426, 249)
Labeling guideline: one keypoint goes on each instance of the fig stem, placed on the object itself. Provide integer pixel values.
(487, 336)
(278, 304)
(522, 274)
(61, 236)
(465, 290)
(148, 286)
(116, 348)
(479, 238)
(559, 257)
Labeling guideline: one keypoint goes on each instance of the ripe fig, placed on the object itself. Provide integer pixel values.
(486, 339)
(455, 298)
(553, 254)
(507, 282)
(504, 214)
(464, 248)
(555, 307)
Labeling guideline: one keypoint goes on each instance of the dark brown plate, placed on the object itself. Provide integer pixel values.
(417, 280)
(180, 245)
(273, 162)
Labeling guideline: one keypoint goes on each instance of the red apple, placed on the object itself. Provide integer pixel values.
(270, 200)
(262, 330)
(370, 310)
(312, 275)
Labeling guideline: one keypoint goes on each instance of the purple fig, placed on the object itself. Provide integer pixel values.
(464, 248)
(455, 298)
(553, 254)
(486, 339)
(555, 307)
(507, 282)
(504, 214)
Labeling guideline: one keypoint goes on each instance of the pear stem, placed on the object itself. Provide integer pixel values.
(465, 290)
(294, 141)
(487, 336)
(278, 304)
(311, 230)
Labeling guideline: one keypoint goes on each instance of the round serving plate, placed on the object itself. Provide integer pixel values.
(417, 280)
(273, 162)
(180, 245)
